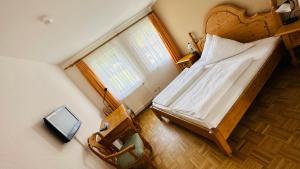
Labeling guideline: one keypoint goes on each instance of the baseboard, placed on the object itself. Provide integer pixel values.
(142, 108)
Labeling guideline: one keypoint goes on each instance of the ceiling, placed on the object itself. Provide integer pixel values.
(76, 24)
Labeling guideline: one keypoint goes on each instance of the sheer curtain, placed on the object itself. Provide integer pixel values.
(123, 63)
(146, 44)
(112, 64)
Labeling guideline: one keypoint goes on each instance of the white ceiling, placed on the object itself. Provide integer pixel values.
(77, 23)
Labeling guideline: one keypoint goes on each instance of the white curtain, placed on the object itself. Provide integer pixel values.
(125, 62)
(146, 44)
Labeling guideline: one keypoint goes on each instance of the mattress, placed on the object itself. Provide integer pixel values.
(260, 54)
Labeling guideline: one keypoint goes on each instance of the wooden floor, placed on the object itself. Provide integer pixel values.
(267, 137)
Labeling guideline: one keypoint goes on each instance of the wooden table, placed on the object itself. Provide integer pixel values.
(291, 36)
(119, 123)
(187, 61)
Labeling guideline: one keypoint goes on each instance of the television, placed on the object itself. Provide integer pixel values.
(63, 123)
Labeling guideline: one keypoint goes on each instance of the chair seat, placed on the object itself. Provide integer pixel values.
(127, 159)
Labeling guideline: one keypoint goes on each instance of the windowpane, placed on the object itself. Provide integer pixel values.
(116, 70)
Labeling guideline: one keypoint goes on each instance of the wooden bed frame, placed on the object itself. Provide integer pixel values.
(231, 22)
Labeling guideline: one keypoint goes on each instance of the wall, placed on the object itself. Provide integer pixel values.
(29, 91)
(74, 74)
(181, 17)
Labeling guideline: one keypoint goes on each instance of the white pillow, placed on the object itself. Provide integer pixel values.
(207, 47)
(202, 61)
(217, 48)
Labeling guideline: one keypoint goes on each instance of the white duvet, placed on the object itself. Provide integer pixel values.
(259, 53)
(178, 86)
(198, 99)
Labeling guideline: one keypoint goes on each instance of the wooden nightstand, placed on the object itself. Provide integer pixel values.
(291, 36)
(188, 60)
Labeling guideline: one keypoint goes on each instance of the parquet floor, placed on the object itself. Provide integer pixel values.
(268, 136)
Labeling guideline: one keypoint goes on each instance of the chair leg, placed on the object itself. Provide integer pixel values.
(149, 162)
(147, 144)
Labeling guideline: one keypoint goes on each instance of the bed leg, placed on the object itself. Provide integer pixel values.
(221, 142)
(156, 114)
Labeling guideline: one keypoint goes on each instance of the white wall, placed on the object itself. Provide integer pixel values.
(28, 92)
(74, 74)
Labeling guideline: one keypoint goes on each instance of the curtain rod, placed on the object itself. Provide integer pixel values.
(78, 60)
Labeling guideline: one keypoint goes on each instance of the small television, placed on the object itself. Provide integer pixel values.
(63, 123)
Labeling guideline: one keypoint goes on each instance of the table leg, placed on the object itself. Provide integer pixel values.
(293, 57)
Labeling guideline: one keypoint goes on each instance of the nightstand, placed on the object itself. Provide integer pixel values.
(188, 60)
(291, 36)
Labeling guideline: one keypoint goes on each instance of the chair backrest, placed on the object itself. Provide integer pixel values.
(100, 150)
(111, 154)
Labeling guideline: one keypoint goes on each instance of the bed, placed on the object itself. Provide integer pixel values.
(229, 21)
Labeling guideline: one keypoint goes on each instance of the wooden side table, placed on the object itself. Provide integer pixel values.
(119, 123)
(291, 36)
(187, 61)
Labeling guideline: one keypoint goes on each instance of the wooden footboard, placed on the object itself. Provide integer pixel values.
(212, 134)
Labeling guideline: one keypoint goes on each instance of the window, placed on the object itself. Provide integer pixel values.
(123, 63)
(146, 44)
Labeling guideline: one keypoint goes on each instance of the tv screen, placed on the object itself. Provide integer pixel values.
(63, 122)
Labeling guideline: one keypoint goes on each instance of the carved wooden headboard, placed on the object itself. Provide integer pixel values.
(232, 22)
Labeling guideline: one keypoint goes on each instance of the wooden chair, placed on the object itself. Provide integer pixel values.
(132, 153)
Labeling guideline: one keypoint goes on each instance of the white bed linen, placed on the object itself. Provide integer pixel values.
(260, 53)
(178, 86)
(199, 98)
(219, 49)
